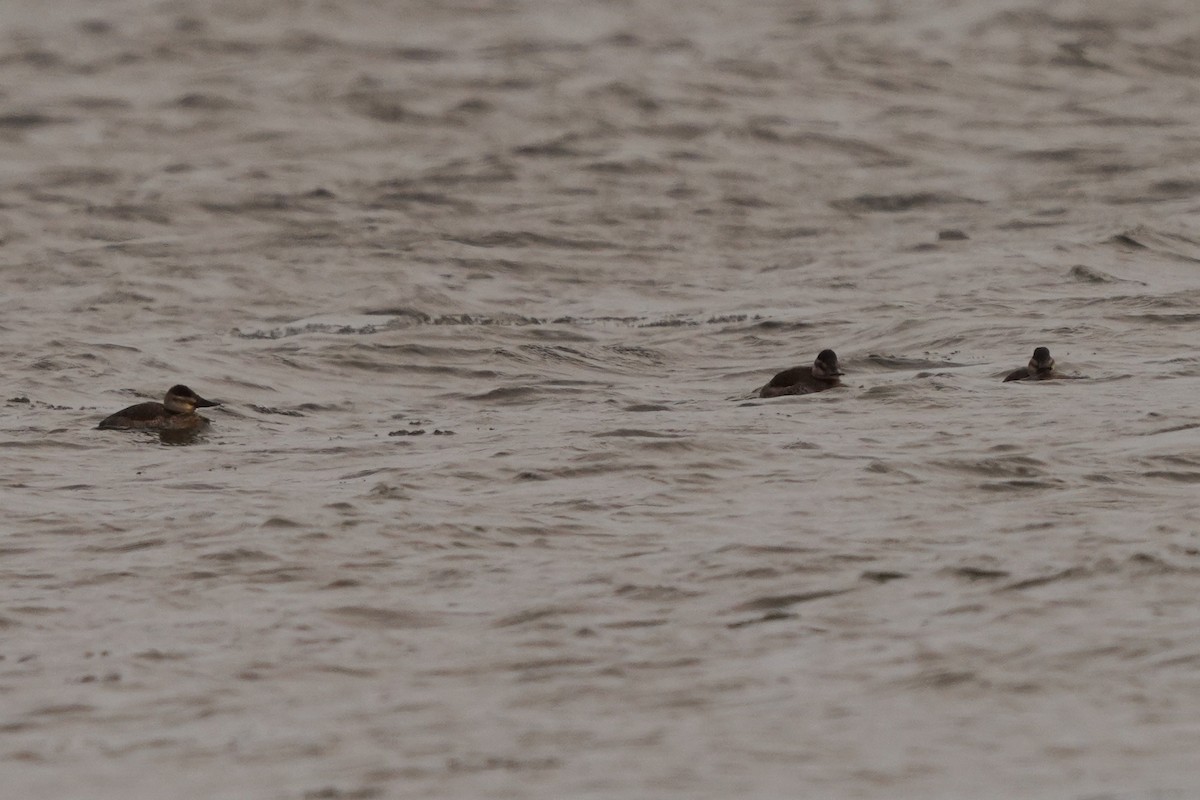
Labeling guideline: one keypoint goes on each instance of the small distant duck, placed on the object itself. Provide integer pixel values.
(1040, 368)
(823, 374)
(177, 412)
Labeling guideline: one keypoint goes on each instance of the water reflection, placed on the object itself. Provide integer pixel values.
(180, 437)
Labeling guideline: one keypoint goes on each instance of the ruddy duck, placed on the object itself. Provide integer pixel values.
(177, 412)
(823, 374)
(1041, 368)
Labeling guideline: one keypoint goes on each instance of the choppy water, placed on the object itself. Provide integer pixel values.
(491, 509)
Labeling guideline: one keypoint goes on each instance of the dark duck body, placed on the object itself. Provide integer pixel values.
(823, 374)
(176, 412)
(1040, 368)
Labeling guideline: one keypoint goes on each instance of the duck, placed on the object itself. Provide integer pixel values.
(1040, 368)
(177, 412)
(823, 374)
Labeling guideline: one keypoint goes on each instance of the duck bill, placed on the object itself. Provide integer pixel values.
(202, 403)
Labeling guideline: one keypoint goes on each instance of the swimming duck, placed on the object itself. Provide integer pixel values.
(1040, 368)
(177, 411)
(823, 374)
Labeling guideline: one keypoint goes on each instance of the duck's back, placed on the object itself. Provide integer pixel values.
(1017, 375)
(790, 377)
(143, 415)
(797, 380)
(1027, 374)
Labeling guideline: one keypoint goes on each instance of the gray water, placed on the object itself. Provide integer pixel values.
(491, 508)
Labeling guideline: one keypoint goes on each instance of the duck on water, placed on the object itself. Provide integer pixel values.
(823, 374)
(1040, 368)
(177, 412)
